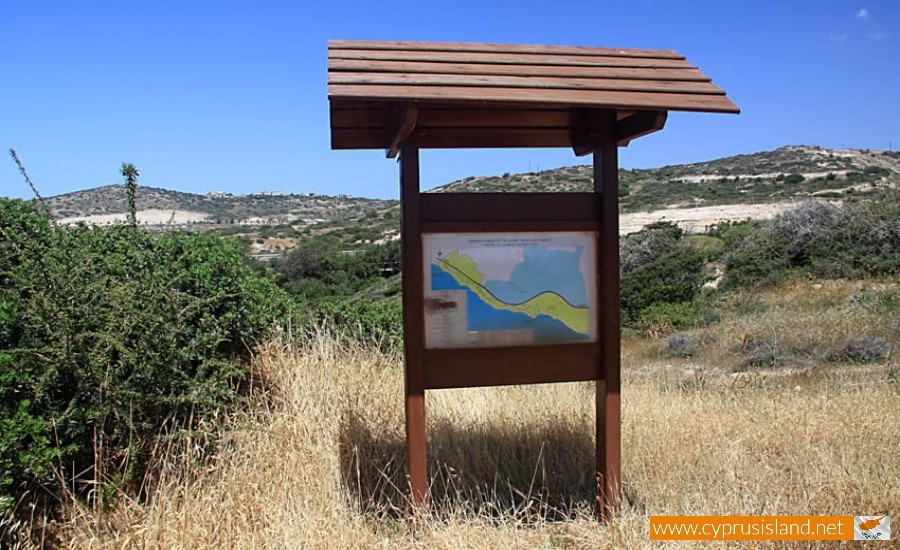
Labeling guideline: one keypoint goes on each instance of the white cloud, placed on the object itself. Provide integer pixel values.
(863, 14)
(873, 36)
(838, 37)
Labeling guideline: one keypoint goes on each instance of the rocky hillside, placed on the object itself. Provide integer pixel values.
(161, 206)
(757, 186)
(787, 173)
(695, 196)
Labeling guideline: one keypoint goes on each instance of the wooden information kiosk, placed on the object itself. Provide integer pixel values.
(405, 96)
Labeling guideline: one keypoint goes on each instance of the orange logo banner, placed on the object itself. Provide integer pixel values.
(751, 528)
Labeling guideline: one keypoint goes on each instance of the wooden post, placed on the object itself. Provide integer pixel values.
(413, 321)
(606, 182)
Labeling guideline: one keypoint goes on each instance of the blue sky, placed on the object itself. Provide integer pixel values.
(231, 96)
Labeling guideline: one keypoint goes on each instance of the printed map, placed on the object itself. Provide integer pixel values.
(513, 289)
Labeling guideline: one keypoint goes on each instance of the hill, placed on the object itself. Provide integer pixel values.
(756, 186)
(159, 206)
(787, 173)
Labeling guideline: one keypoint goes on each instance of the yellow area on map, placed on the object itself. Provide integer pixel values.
(464, 270)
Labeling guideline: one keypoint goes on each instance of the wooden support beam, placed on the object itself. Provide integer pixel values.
(608, 403)
(477, 367)
(413, 322)
(639, 124)
(402, 120)
(587, 126)
(521, 208)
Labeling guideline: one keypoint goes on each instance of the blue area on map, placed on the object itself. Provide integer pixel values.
(482, 316)
(543, 269)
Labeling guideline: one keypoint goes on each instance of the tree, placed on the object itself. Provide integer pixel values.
(130, 173)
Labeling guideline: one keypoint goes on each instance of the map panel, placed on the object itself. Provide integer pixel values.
(509, 289)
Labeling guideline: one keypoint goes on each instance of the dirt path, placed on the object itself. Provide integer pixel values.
(144, 217)
(697, 219)
(690, 219)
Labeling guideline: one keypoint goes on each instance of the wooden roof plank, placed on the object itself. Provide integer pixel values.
(358, 118)
(597, 98)
(358, 138)
(461, 138)
(495, 95)
(526, 82)
(455, 138)
(509, 58)
(514, 48)
(342, 103)
(499, 118)
(476, 117)
(423, 67)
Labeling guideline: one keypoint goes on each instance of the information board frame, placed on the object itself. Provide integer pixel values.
(431, 369)
(544, 283)
(383, 94)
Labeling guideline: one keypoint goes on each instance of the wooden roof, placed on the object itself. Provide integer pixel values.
(492, 95)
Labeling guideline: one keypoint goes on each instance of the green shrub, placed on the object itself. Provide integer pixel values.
(110, 337)
(759, 351)
(674, 278)
(324, 269)
(711, 248)
(680, 345)
(658, 270)
(732, 232)
(648, 245)
(867, 349)
(877, 171)
(379, 323)
(857, 240)
(663, 317)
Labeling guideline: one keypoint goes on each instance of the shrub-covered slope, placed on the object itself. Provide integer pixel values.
(110, 339)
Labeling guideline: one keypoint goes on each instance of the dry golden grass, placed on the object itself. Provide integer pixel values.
(792, 327)
(323, 465)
